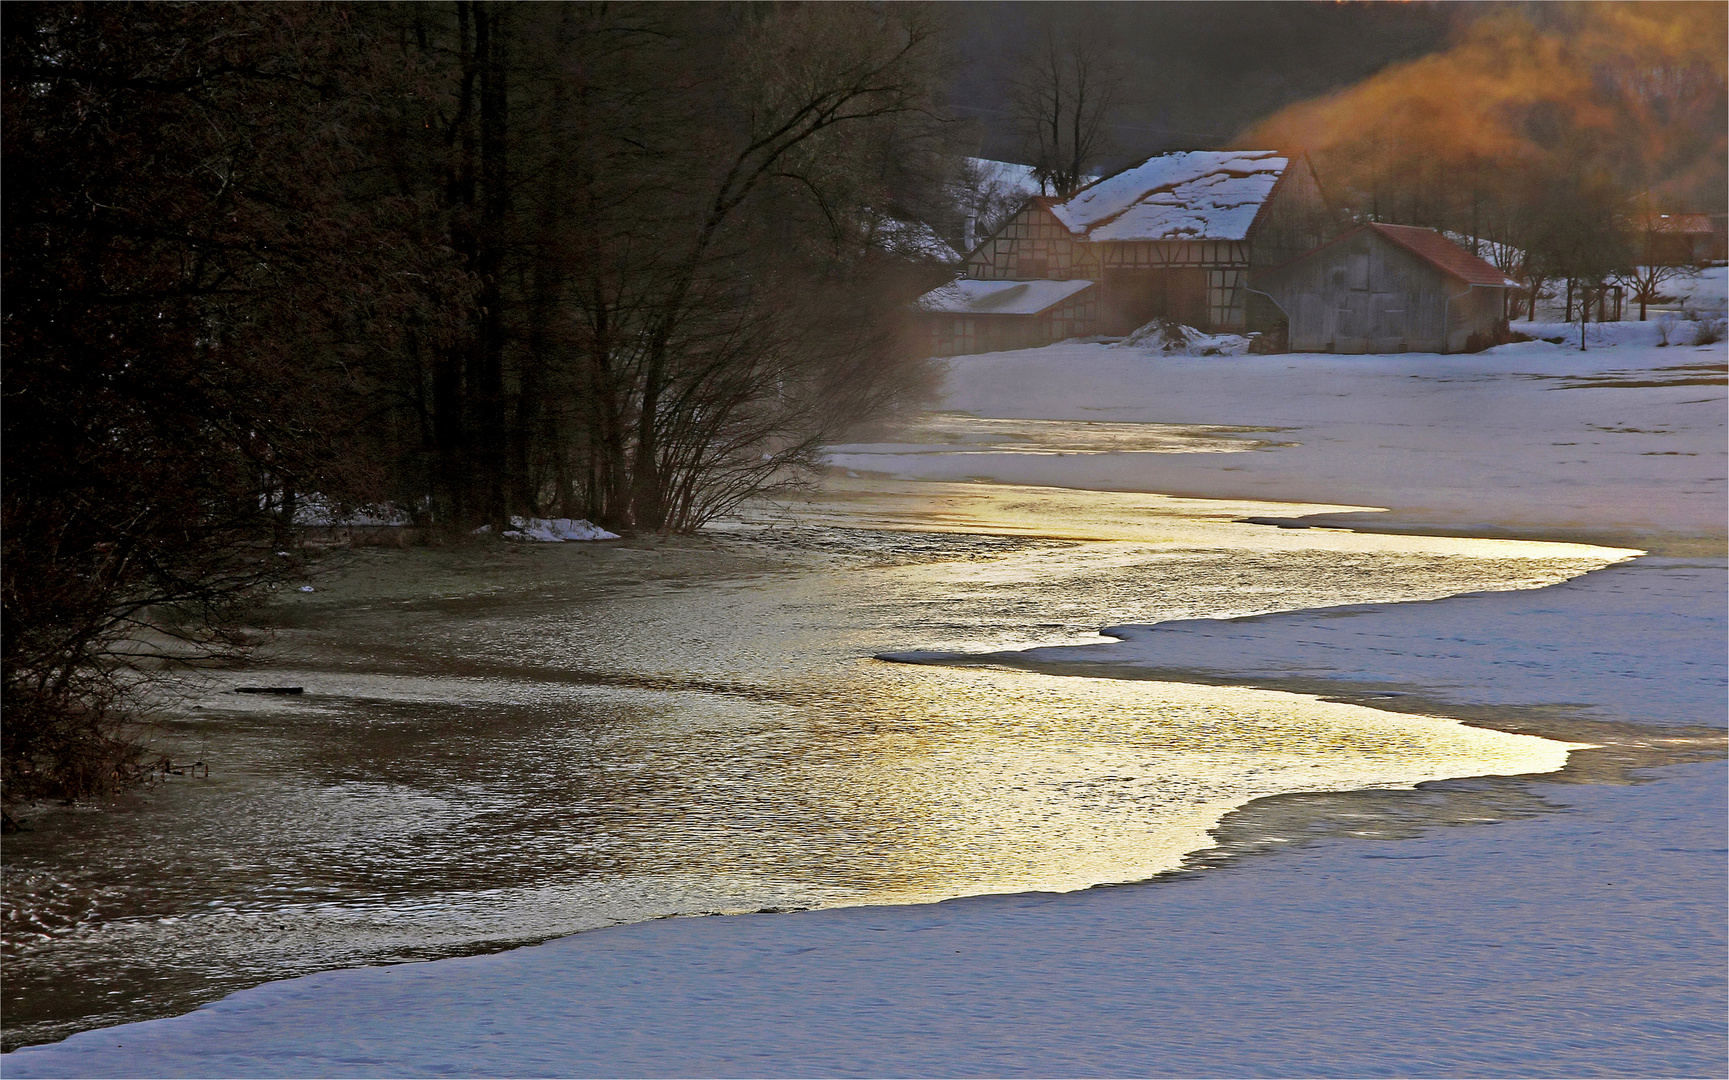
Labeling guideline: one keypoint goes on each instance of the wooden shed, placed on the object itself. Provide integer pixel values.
(1389, 288)
(969, 316)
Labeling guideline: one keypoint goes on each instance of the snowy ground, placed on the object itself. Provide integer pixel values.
(1568, 925)
(1703, 292)
(1525, 439)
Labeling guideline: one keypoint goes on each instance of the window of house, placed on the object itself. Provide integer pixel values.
(1033, 268)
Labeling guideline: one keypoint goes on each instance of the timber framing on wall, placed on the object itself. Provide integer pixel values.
(1176, 236)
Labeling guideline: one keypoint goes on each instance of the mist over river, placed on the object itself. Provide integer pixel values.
(505, 744)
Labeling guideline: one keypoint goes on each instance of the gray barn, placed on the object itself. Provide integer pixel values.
(1389, 288)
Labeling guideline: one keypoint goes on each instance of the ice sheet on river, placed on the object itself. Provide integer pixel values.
(1531, 438)
(1635, 642)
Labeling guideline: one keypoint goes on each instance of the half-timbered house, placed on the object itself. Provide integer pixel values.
(1177, 236)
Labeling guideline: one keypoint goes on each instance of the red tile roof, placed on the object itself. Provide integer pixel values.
(1443, 254)
(1677, 223)
(1425, 244)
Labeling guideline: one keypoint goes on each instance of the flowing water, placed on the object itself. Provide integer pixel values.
(505, 745)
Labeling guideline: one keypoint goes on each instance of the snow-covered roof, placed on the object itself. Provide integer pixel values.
(912, 240)
(1007, 174)
(1189, 195)
(972, 297)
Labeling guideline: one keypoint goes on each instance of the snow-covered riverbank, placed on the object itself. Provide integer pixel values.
(1571, 925)
(1536, 439)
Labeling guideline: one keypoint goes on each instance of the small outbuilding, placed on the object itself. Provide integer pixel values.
(1680, 239)
(1389, 288)
(969, 316)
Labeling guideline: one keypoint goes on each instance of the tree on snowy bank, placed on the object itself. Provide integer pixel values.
(1067, 85)
(179, 268)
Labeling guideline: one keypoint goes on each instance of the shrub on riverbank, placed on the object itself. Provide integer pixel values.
(66, 746)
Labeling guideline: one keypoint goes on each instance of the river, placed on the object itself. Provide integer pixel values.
(507, 743)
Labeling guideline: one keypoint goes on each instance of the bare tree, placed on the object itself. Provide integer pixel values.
(181, 275)
(700, 215)
(1644, 283)
(615, 256)
(1577, 237)
(985, 200)
(1063, 95)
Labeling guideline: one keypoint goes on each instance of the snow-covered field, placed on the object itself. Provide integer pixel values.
(1689, 294)
(1705, 291)
(1568, 925)
(1625, 438)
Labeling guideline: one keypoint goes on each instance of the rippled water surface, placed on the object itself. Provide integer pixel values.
(506, 745)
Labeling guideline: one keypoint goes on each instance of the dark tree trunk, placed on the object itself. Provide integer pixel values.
(647, 510)
(488, 373)
(450, 443)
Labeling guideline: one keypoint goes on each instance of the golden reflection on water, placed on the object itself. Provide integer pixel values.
(963, 433)
(560, 739)
(931, 783)
(889, 783)
(875, 501)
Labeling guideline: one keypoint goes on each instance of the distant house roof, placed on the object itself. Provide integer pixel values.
(1677, 223)
(1007, 174)
(1427, 245)
(912, 240)
(1190, 195)
(971, 297)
